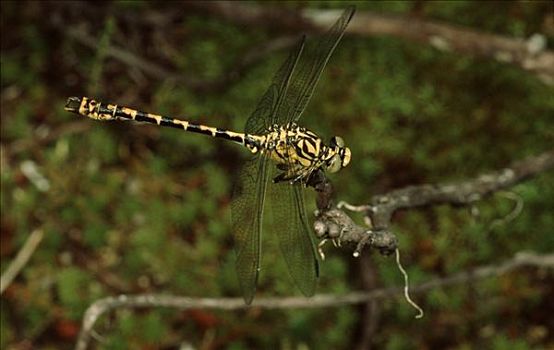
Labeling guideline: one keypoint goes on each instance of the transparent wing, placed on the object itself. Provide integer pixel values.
(249, 193)
(311, 64)
(246, 218)
(287, 201)
(285, 100)
(290, 224)
(263, 115)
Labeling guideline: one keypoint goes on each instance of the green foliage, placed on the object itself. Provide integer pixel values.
(6, 332)
(101, 53)
(138, 209)
(71, 283)
(503, 342)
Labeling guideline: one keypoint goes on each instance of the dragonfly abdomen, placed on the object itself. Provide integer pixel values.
(106, 111)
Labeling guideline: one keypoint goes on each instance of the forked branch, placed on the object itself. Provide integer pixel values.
(334, 223)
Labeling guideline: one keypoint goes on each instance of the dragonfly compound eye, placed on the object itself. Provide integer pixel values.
(334, 164)
(337, 141)
(346, 155)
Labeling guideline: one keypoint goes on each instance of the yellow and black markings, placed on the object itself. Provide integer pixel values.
(297, 149)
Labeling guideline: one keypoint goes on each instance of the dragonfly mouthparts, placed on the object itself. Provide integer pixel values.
(73, 104)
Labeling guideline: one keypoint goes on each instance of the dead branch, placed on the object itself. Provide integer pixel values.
(21, 259)
(120, 54)
(529, 54)
(102, 306)
(337, 225)
(158, 72)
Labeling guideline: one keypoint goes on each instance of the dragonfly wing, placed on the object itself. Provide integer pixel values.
(284, 101)
(310, 66)
(264, 114)
(249, 193)
(290, 224)
(246, 217)
(289, 213)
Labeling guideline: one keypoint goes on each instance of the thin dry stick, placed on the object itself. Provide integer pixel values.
(21, 259)
(102, 306)
(120, 54)
(529, 54)
(518, 207)
(156, 71)
(380, 210)
(406, 286)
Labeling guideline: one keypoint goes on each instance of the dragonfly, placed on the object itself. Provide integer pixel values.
(272, 135)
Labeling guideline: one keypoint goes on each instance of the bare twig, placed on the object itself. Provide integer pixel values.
(458, 193)
(407, 286)
(115, 52)
(21, 259)
(518, 207)
(530, 54)
(156, 71)
(335, 223)
(100, 307)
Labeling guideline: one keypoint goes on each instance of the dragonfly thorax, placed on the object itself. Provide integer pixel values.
(299, 152)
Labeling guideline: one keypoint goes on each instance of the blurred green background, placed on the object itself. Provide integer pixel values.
(131, 209)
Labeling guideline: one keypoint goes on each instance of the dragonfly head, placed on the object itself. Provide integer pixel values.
(340, 155)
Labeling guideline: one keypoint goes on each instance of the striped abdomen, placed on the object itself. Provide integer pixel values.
(104, 111)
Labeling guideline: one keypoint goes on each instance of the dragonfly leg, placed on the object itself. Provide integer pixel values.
(282, 177)
(320, 248)
(291, 175)
(304, 175)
